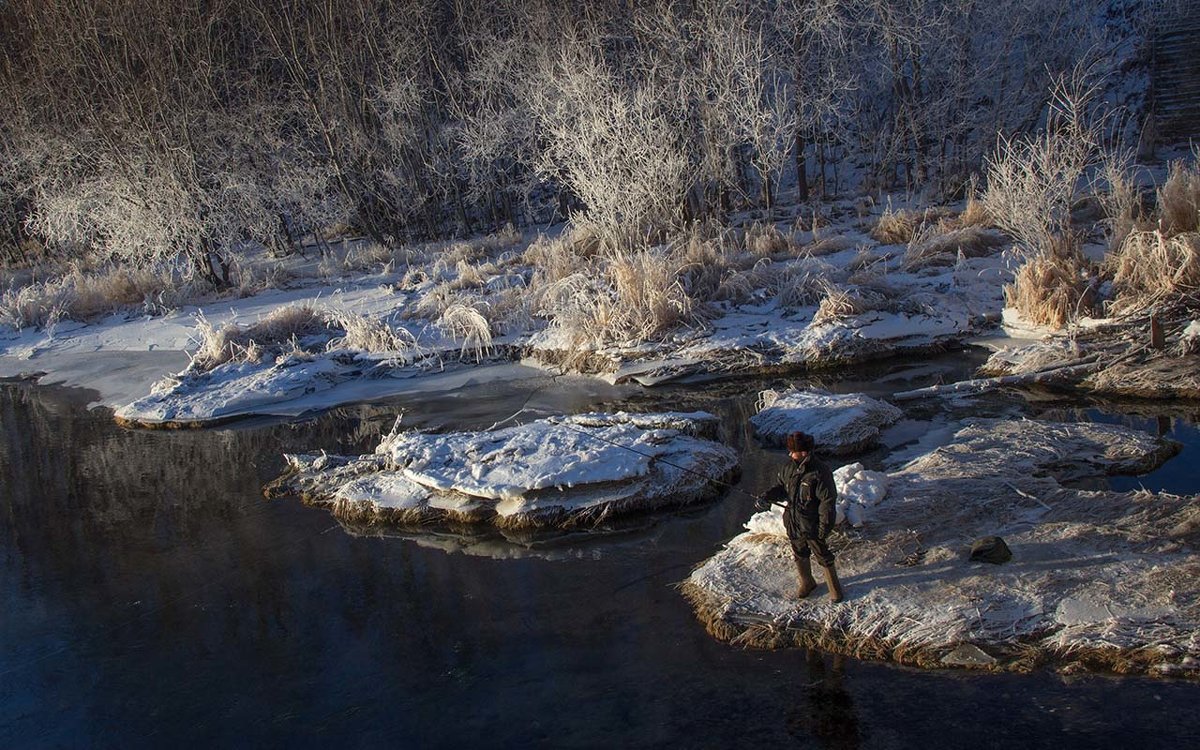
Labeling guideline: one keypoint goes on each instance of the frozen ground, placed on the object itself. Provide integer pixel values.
(565, 472)
(122, 356)
(1099, 579)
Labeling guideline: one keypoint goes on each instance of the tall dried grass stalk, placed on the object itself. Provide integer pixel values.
(467, 322)
(1119, 199)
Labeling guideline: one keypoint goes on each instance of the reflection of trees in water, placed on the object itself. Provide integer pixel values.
(826, 712)
(121, 541)
(93, 512)
(60, 461)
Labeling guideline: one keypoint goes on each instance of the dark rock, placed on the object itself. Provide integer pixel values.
(990, 549)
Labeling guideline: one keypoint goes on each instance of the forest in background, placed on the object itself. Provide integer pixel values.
(142, 131)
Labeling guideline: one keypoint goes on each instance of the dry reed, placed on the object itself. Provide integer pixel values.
(231, 342)
(1050, 289)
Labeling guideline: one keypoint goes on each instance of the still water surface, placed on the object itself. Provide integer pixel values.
(149, 596)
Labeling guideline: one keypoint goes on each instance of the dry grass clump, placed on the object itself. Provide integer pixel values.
(1151, 267)
(1155, 265)
(231, 342)
(711, 263)
(650, 297)
(899, 227)
(511, 310)
(827, 246)
(975, 214)
(480, 248)
(367, 334)
(369, 256)
(1179, 199)
(83, 296)
(633, 297)
(1050, 289)
(766, 241)
(554, 258)
(895, 227)
(431, 304)
(940, 245)
(254, 278)
(848, 301)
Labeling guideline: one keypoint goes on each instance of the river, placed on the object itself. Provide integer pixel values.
(149, 596)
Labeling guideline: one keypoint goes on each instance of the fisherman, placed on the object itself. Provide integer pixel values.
(806, 484)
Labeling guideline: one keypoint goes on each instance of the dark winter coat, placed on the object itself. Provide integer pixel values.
(811, 496)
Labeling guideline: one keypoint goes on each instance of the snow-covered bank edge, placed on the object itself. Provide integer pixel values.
(800, 303)
(1127, 359)
(1103, 581)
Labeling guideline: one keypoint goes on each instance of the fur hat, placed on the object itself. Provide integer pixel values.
(799, 441)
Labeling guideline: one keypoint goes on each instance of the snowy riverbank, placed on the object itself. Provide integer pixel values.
(776, 302)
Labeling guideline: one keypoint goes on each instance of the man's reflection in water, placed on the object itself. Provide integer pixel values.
(828, 714)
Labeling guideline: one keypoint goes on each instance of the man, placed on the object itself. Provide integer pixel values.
(806, 483)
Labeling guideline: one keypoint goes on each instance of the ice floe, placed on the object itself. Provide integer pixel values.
(573, 471)
(840, 423)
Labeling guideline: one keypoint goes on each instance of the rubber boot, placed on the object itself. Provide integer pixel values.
(807, 584)
(835, 586)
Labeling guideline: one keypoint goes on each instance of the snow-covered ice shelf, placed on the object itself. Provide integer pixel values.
(563, 472)
(840, 423)
(1098, 580)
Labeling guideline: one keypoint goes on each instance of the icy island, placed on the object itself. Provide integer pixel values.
(563, 472)
(1098, 579)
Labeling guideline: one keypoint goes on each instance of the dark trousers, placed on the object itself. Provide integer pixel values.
(802, 531)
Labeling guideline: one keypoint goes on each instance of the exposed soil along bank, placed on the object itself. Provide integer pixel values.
(1098, 579)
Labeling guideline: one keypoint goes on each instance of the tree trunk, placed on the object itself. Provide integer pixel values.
(801, 169)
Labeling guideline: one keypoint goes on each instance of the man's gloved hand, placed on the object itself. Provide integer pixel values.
(772, 496)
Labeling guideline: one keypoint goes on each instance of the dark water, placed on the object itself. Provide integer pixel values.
(150, 597)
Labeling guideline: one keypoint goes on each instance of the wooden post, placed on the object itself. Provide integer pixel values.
(1157, 339)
